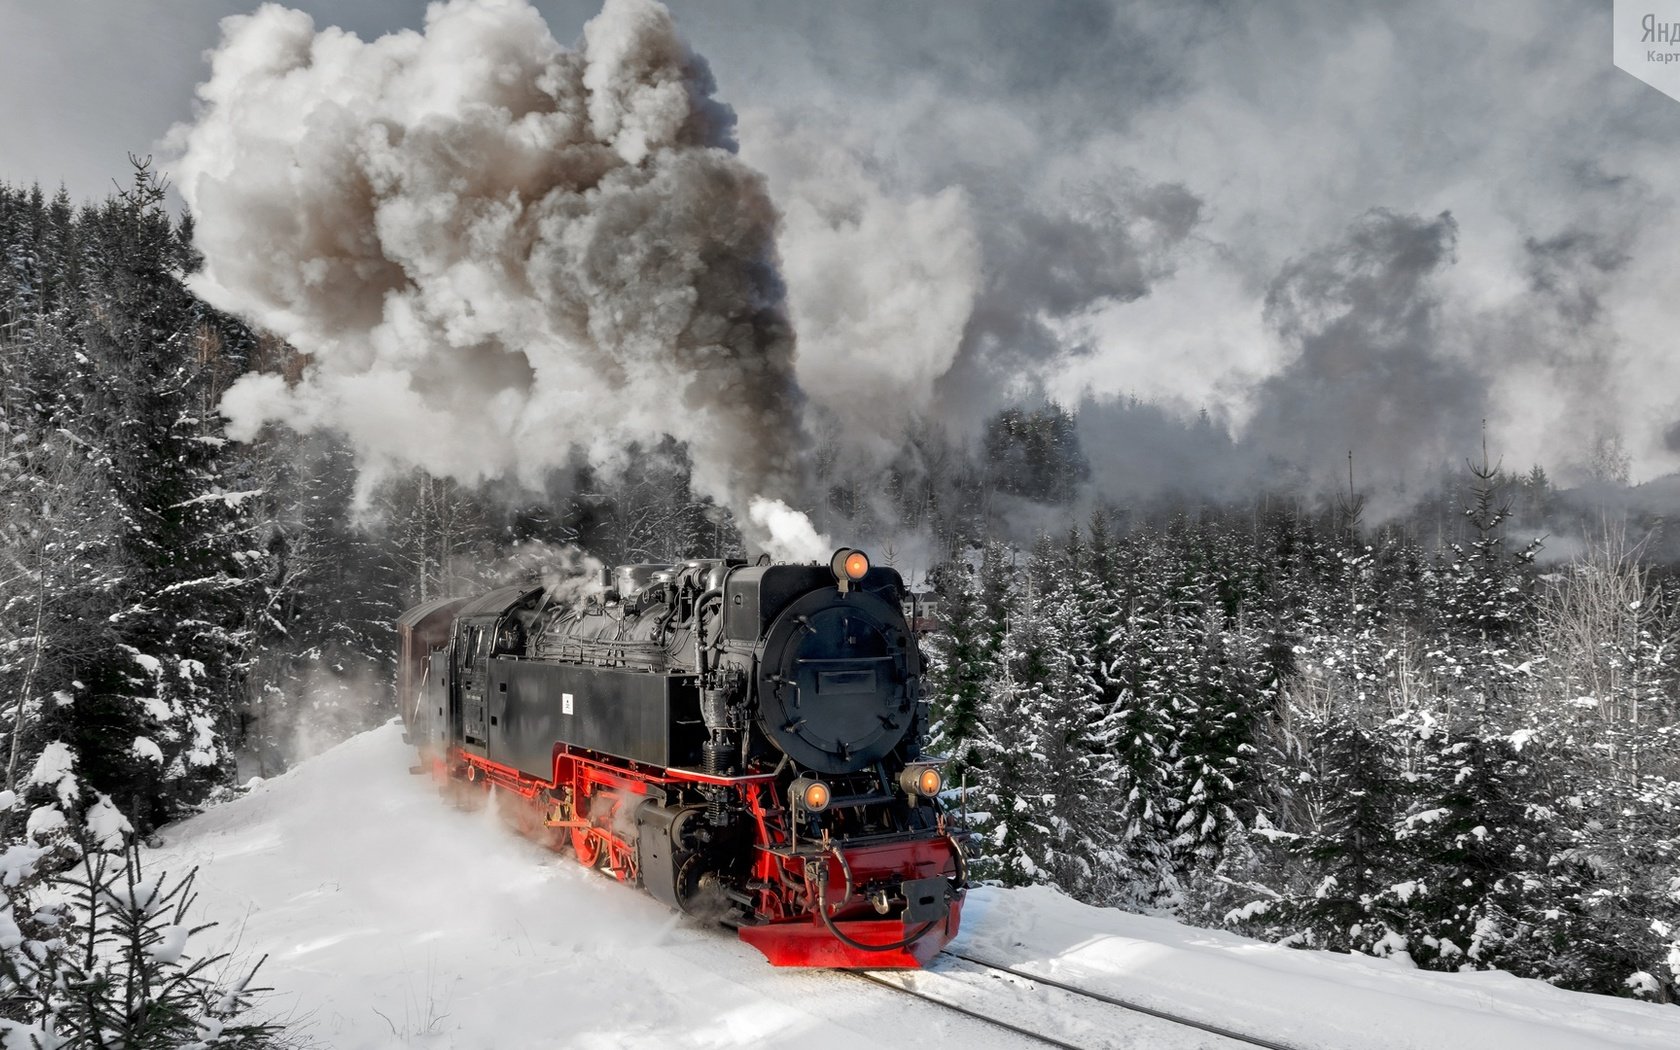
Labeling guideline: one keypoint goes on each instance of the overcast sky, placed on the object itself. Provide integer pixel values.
(1332, 226)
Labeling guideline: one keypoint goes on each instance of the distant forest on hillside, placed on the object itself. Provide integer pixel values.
(1427, 734)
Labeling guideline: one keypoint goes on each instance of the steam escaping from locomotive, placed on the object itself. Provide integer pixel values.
(788, 533)
(497, 251)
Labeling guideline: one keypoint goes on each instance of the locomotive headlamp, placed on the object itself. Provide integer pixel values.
(922, 780)
(810, 794)
(849, 566)
(857, 564)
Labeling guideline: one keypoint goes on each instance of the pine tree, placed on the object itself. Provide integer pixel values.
(96, 953)
(1214, 732)
(1135, 736)
(1012, 773)
(155, 715)
(960, 669)
(1352, 856)
(1073, 799)
(1468, 836)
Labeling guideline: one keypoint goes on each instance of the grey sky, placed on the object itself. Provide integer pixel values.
(1211, 205)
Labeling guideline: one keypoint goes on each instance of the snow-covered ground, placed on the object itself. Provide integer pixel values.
(392, 920)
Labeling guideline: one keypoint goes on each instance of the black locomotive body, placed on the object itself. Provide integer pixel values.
(742, 741)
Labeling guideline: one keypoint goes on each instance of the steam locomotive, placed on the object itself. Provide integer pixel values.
(742, 741)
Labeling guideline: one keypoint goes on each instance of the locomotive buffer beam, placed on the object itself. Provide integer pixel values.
(869, 876)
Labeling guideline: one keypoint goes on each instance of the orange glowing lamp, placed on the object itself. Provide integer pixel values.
(857, 564)
(811, 794)
(921, 781)
(849, 566)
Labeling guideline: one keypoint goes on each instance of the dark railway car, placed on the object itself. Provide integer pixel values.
(744, 742)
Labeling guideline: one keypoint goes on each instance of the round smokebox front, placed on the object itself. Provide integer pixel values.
(832, 684)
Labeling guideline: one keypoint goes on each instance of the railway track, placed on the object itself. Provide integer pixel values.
(1053, 1013)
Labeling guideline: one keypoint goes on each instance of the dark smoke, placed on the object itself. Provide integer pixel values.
(1372, 370)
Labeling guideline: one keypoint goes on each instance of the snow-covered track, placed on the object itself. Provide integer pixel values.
(928, 986)
(1123, 1004)
(1052, 1013)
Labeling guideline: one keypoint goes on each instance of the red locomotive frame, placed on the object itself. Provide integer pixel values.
(808, 897)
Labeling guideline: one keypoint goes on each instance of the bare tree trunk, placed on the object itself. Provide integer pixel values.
(1596, 625)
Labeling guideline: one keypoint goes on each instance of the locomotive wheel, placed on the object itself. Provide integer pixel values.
(700, 891)
(586, 846)
(544, 808)
(586, 840)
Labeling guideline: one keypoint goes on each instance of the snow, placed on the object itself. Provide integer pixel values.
(172, 941)
(53, 766)
(228, 499)
(392, 920)
(144, 897)
(204, 748)
(44, 822)
(1642, 982)
(1428, 816)
(17, 863)
(109, 828)
(10, 934)
(145, 748)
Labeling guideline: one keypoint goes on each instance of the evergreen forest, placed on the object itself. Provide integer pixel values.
(1430, 735)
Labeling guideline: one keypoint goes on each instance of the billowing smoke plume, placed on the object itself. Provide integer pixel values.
(1371, 371)
(881, 283)
(497, 251)
(941, 292)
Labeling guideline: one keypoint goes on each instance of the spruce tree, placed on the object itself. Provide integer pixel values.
(154, 716)
(1135, 733)
(1012, 774)
(960, 669)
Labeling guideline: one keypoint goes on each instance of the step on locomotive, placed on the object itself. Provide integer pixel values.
(744, 742)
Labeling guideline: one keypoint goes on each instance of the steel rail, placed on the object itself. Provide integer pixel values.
(1124, 1004)
(995, 1022)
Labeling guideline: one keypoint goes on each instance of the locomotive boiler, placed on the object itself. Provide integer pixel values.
(742, 741)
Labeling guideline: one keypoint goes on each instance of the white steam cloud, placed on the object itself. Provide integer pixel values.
(497, 250)
(788, 534)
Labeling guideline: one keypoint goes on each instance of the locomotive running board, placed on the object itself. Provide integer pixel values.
(809, 943)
